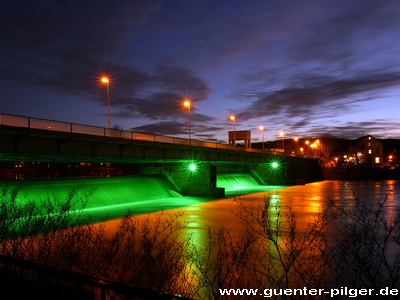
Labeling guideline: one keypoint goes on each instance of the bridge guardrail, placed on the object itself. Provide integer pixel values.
(59, 126)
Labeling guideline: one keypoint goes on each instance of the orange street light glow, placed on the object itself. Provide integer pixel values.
(262, 128)
(187, 103)
(233, 118)
(105, 79)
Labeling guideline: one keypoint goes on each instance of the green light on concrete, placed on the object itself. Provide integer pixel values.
(109, 198)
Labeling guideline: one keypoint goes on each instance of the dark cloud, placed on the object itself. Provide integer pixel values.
(341, 35)
(182, 81)
(163, 128)
(351, 130)
(65, 48)
(180, 127)
(328, 96)
(297, 64)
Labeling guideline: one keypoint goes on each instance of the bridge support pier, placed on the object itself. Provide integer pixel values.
(196, 180)
(271, 174)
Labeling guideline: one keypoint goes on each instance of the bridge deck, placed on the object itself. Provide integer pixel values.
(64, 129)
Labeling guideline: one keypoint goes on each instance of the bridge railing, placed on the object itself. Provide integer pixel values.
(58, 126)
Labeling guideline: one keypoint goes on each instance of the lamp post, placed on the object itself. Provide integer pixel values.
(233, 118)
(107, 82)
(308, 148)
(282, 135)
(188, 105)
(296, 139)
(262, 129)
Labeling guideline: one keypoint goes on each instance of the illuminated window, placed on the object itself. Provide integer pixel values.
(377, 160)
(369, 151)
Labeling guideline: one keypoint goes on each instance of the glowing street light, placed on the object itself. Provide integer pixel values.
(313, 146)
(282, 135)
(262, 129)
(107, 82)
(233, 118)
(308, 143)
(188, 105)
(296, 139)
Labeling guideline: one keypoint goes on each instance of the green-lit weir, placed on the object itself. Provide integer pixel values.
(158, 169)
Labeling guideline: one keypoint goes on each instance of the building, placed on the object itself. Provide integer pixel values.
(369, 151)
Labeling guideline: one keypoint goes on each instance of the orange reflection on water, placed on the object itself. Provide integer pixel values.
(236, 214)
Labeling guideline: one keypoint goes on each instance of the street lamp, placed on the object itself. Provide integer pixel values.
(308, 149)
(107, 82)
(188, 105)
(296, 139)
(262, 129)
(233, 118)
(282, 135)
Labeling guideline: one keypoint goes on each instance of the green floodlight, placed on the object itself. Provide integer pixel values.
(192, 167)
(275, 164)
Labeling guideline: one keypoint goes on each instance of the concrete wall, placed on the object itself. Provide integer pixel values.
(197, 183)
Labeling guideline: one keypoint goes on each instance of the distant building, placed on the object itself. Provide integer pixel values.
(369, 150)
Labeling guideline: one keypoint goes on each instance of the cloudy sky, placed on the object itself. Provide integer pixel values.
(305, 67)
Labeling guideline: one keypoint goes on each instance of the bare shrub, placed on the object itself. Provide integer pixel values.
(350, 243)
(365, 249)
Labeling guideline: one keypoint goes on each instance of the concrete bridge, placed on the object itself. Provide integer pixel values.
(191, 165)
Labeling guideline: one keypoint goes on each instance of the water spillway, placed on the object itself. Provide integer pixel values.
(241, 183)
(107, 198)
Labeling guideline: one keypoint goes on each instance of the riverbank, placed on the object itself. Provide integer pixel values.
(361, 173)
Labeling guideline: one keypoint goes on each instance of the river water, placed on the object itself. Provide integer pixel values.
(307, 201)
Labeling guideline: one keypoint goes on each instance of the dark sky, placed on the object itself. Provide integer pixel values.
(305, 67)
